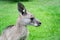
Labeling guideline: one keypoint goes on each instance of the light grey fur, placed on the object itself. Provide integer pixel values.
(15, 33)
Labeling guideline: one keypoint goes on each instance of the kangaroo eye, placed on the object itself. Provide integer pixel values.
(32, 18)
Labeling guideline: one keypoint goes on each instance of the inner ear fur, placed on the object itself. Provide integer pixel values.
(21, 8)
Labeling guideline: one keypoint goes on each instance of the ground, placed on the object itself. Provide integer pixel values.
(48, 12)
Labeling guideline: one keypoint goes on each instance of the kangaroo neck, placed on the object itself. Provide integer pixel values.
(19, 23)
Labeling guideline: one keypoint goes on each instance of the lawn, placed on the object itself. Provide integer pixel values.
(48, 12)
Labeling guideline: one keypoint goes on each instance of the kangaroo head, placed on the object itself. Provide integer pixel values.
(26, 17)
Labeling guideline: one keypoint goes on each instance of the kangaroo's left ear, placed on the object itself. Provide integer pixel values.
(21, 9)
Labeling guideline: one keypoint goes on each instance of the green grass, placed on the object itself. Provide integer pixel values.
(48, 12)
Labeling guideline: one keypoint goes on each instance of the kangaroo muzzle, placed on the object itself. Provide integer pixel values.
(38, 23)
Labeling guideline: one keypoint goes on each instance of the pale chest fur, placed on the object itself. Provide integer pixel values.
(15, 33)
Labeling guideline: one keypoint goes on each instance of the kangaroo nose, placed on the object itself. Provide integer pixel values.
(39, 24)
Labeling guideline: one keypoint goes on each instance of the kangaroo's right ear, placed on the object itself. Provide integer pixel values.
(21, 8)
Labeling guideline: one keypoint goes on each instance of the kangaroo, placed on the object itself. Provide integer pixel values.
(19, 31)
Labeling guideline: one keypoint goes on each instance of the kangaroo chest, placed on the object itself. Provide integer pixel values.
(16, 34)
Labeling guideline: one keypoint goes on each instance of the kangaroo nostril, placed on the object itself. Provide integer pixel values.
(39, 23)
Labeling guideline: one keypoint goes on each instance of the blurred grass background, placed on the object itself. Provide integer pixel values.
(47, 11)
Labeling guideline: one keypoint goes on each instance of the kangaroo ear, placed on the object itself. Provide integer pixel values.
(21, 8)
